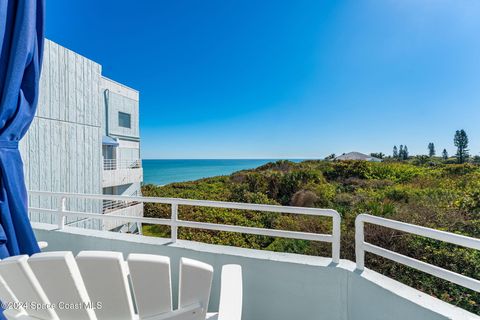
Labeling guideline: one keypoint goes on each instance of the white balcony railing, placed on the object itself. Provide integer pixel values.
(361, 247)
(174, 222)
(114, 164)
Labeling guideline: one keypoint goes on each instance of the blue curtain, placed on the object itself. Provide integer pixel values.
(21, 49)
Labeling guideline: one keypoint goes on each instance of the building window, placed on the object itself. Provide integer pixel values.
(124, 120)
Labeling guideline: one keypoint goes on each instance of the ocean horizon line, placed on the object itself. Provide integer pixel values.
(320, 158)
(165, 171)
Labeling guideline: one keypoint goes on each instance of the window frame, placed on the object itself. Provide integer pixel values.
(121, 123)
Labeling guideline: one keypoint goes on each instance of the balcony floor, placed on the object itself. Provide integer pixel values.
(277, 286)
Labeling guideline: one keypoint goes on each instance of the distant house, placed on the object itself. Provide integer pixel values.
(358, 156)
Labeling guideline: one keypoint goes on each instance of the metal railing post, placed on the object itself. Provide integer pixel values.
(174, 227)
(336, 238)
(62, 207)
(359, 243)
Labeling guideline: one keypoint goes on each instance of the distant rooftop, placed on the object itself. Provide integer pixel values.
(357, 156)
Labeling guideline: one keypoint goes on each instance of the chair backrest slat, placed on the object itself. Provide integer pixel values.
(10, 302)
(195, 284)
(151, 281)
(60, 278)
(231, 293)
(20, 278)
(105, 276)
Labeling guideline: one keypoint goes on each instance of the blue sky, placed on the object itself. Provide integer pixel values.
(286, 79)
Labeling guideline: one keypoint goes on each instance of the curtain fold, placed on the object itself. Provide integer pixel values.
(21, 49)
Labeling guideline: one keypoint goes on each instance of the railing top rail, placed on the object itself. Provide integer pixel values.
(199, 203)
(440, 235)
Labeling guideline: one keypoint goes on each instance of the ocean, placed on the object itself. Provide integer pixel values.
(161, 172)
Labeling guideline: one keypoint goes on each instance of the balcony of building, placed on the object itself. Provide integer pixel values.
(120, 172)
(276, 285)
(124, 208)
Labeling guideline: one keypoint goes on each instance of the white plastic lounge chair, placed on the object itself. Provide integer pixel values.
(101, 285)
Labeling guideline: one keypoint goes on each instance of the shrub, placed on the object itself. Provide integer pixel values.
(429, 193)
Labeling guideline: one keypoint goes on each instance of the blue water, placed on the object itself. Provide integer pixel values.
(162, 172)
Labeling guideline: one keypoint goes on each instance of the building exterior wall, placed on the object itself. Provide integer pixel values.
(61, 151)
(118, 98)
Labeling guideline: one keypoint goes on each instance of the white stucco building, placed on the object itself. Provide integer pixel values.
(85, 138)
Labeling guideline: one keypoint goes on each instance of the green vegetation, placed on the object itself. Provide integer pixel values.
(444, 154)
(395, 152)
(379, 155)
(424, 190)
(431, 149)
(461, 142)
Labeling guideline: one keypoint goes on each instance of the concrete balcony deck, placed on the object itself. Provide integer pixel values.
(276, 285)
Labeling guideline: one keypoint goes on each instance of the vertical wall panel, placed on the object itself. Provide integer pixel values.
(71, 76)
(42, 153)
(79, 89)
(34, 164)
(54, 83)
(44, 93)
(72, 163)
(56, 163)
(62, 84)
(64, 176)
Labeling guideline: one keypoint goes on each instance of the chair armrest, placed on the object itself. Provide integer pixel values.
(231, 293)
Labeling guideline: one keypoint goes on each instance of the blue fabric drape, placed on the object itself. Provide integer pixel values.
(21, 49)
